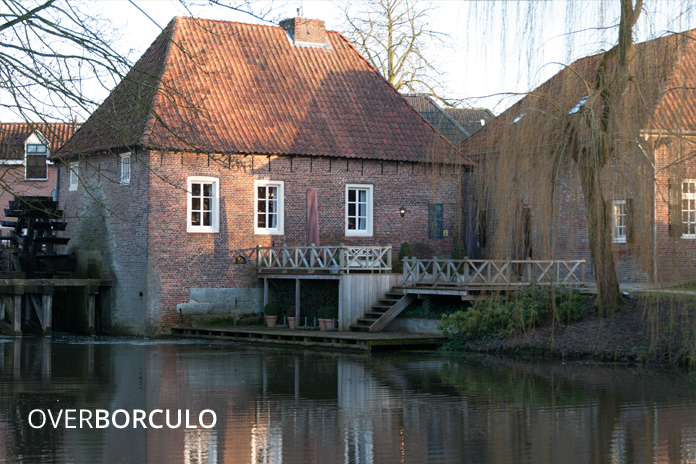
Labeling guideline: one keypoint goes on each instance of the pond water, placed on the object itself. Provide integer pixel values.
(275, 405)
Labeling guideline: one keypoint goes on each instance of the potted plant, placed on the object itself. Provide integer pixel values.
(270, 313)
(331, 316)
(321, 315)
(291, 317)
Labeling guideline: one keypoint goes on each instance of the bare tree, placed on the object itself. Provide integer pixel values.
(593, 149)
(395, 38)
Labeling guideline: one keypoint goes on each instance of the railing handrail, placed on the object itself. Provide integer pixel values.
(493, 272)
(328, 257)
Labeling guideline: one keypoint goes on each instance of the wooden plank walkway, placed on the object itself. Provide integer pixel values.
(314, 338)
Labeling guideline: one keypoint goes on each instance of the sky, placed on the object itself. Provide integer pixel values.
(496, 50)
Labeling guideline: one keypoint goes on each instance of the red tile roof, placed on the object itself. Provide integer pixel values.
(222, 87)
(14, 134)
(661, 95)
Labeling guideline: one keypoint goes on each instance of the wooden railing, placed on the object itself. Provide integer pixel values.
(492, 273)
(326, 258)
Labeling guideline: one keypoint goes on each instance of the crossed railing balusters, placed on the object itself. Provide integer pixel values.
(478, 272)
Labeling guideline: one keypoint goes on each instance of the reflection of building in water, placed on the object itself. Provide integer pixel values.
(358, 398)
(266, 438)
(200, 446)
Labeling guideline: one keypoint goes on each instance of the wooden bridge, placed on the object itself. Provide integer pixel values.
(459, 277)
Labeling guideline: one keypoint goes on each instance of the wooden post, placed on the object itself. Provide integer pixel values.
(17, 359)
(46, 360)
(258, 258)
(389, 257)
(17, 314)
(583, 271)
(47, 307)
(265, 292)
(297, 301)
(529, 270)
(341, 257)
(92, 292)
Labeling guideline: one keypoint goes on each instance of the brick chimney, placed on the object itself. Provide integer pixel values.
(304, 30)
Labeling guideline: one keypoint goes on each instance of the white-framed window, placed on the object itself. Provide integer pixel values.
(620, 221)
(359, 210)
(203, 209)
(35, 162)
(688, 208)
(269, 209)
(125, 168)
(74, 180)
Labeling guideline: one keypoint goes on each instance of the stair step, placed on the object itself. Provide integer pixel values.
(390, 300)
(399, 295)
(385, 307)
(373, 315)
(354, 328)
(365, 321)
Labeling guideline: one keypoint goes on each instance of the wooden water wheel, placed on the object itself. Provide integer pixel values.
(33, 239)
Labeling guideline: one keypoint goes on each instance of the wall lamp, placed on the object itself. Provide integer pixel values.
(402, 211)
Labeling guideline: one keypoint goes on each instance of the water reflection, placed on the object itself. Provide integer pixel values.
(292, 406)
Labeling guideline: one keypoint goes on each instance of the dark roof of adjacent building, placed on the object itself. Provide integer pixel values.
(438, 117)
(13, 135)
(661, 96)
(471, 119)
(232, 88)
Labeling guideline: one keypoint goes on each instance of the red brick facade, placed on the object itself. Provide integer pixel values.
(142, 242)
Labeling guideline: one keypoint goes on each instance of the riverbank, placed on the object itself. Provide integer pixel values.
(656, 327)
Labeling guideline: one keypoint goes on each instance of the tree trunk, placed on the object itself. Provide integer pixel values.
(599, 232)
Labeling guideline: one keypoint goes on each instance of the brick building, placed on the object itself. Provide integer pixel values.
(531, 201)
(25, 168)
(208, 148)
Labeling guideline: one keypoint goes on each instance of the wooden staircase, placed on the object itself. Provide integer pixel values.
(382, 313)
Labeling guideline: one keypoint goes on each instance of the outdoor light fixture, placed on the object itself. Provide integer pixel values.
(402, 210)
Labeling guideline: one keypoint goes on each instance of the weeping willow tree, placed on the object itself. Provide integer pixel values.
(580, 166)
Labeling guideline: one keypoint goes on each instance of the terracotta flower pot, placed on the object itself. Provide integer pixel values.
(271, 321)
(322, 324)
(329, 323)
(291, 322)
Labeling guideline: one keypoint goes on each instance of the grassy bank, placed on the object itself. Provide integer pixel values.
(656, 327)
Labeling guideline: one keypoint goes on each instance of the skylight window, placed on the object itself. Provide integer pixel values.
(580, 104)
(518, 118)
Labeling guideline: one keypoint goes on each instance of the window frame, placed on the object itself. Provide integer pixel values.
(614, 237)
(35, 154)
(280, 229)
(122, 157)
(73, 176)
(687, 196)
(214, 226)
(368, 232)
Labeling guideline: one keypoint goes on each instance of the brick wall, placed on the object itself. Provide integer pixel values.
(139, 236)
(107, 226)
(676, 256)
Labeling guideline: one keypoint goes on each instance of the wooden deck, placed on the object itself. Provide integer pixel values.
(37, 296)
(314, 338)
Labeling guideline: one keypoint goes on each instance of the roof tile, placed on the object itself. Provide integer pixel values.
(222, 87)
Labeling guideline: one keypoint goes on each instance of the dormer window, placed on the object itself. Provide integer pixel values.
(35, 162)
